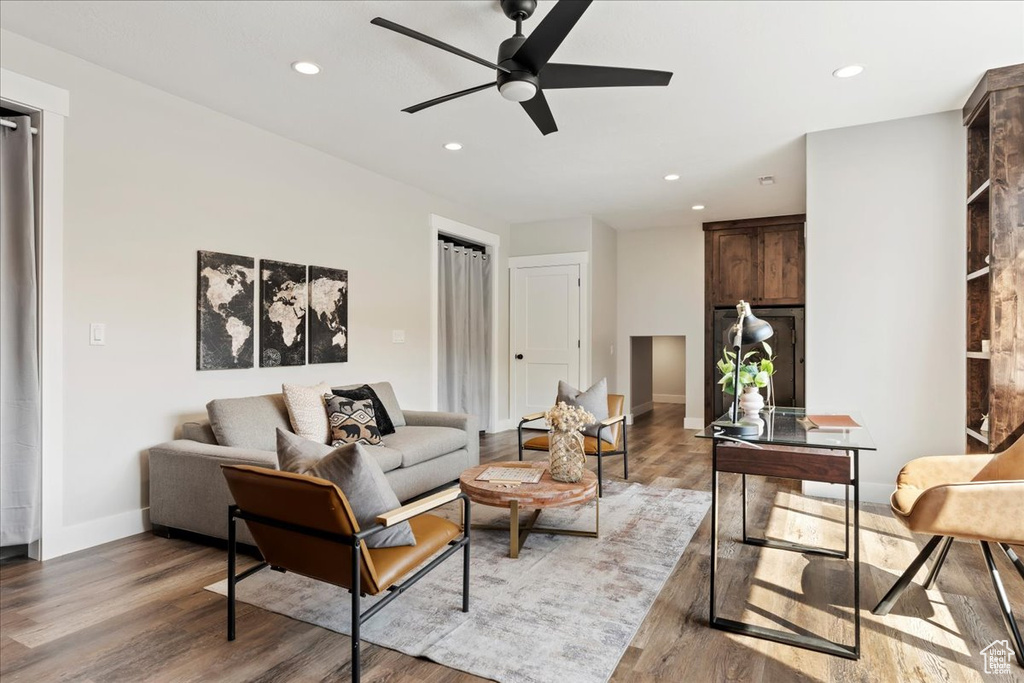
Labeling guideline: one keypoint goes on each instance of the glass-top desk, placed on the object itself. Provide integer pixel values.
(789, 448)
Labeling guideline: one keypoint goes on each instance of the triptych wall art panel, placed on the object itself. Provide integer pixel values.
(295, 310)
(225, 311)
(282, 314)
(328, 315)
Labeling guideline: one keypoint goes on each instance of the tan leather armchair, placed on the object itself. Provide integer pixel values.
(615, 424)
(977, 497)
(305, 525)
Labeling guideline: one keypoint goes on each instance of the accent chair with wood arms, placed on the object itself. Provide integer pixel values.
(977, 497)
(616, 426)
(305, 525)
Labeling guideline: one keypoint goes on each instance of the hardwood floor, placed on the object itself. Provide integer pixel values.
(135, 609)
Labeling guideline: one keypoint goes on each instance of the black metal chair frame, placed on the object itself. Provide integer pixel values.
(600, 455)
(353, 540)
(886, 603)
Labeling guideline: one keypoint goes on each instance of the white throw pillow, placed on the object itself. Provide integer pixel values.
(307, 411)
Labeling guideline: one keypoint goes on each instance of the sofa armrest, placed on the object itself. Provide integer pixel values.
(187, 489)
(467, 423)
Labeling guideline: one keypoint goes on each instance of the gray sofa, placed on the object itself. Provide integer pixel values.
(187, 490)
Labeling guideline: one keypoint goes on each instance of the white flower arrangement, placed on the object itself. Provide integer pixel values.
(566, 418)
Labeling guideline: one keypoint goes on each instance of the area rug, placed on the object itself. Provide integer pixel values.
(564, 612)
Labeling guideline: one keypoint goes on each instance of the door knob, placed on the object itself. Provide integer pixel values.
(519, 356)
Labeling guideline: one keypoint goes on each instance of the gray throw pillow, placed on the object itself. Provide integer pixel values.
(594, 400)
(353, 470)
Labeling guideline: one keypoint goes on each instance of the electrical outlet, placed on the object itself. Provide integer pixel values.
(397, 336)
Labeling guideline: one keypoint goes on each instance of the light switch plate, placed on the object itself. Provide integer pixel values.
(97, 334)
(397, 336)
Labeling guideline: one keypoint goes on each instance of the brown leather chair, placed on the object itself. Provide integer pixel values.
(305, 525)
(977, 497)
(616, 424)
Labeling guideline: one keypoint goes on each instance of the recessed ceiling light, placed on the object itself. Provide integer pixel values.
(697, 207)
(672, 176)
(452, 146)
(306, 68)
(766, 180)
(848, 71)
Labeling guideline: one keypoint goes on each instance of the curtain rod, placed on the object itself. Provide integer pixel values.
(11, 124)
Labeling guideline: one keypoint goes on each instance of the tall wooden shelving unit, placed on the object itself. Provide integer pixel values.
(994, 116)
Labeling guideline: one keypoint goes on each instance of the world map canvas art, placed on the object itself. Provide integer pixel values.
(225, 308)
(282, 314)
(328, 315)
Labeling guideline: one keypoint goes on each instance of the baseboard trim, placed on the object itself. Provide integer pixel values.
(870, 492)
(669, 398)
(639, 410)
(99, 531)
(693, 423)
(504, 426)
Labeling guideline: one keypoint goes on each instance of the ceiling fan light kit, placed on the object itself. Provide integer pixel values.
(523, 67)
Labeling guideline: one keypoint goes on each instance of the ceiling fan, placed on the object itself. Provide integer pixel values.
(524, 72)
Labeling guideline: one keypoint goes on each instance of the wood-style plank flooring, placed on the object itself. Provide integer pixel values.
(135, 609)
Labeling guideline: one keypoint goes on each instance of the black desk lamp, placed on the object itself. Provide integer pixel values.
(748, 329)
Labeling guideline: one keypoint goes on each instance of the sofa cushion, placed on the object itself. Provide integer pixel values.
(250, 422)
(387, 396)
(306, 410)
(594, 400)
(295, 454)
(419, 444)
(380, 413)
(351, 421)
(356, 472)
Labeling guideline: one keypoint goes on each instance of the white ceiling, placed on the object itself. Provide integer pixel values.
(750, 80)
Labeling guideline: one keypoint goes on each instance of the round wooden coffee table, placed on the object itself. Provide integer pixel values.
(547, 493)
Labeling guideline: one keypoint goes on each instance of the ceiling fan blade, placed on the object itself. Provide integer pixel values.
(538, 109)
(588, 76)
(398, 28)
(445, 98)
(549, 34)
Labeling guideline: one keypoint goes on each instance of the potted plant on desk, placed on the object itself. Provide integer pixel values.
(756, 370)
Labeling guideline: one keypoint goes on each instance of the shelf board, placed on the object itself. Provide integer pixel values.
(977, 194)
(981, 272)
(977, 436)
(980, 355)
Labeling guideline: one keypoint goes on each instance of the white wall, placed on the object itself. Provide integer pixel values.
(597, 239)
(669, 368)
(550, 237)
(885, 286)
(151, 178)
(661, 292)
(604, 304)
(641, 374)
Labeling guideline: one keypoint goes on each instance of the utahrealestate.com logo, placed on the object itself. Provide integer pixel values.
(998, 657)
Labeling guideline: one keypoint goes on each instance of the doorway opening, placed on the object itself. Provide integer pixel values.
(464, 320)
(657, 373)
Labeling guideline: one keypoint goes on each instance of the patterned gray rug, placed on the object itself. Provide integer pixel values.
(564, 612)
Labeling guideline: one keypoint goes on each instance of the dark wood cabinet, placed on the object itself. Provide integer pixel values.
(761, 261)
(734, 254)
(781, 265)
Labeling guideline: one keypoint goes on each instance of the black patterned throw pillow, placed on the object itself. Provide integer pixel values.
(380, 413)
(351, 421)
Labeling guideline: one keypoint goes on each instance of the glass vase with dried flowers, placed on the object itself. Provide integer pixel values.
(565, 441)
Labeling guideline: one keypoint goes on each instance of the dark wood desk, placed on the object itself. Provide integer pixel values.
(787, 449)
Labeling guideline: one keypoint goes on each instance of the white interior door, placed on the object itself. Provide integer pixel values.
(545, 334)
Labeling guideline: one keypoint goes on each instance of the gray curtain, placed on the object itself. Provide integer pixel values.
(19, 351)
(464, 331)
